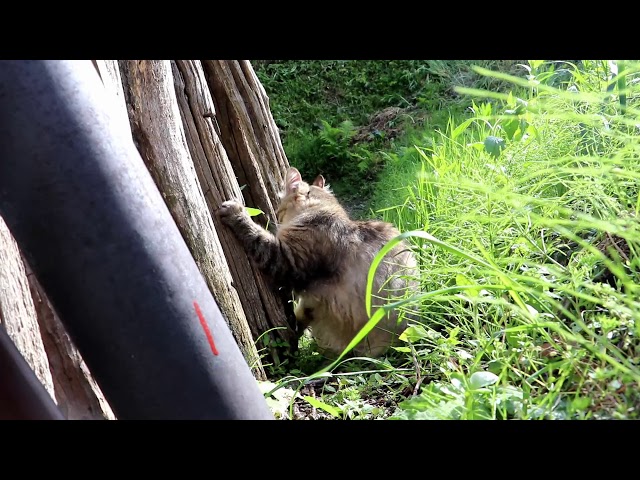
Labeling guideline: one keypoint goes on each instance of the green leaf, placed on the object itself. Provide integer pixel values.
(265, 386)
(476, 145)
(519, 108)
(495, 366)
(453, 336)
(482, 379)
(278, 400)
(622, 85)
(463, 281)
(510, 127)
(494, 145)
(511, 399)
(535, 63)
(580, 403)
(460, 128)
(253, 212)
(402, 349)
(327, 408)
(413, 334)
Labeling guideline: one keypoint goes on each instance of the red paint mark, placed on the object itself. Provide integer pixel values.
(205, 327)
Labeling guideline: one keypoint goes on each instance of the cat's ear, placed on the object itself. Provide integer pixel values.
(319, 181)
(292, 180)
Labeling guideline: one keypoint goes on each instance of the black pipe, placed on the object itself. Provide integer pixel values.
(22, 396)
(94, 228)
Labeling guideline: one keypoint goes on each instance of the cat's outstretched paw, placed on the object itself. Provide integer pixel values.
(229, 209)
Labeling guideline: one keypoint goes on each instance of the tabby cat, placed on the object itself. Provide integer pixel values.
(324, 257)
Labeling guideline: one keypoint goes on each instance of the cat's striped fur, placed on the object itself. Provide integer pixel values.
(324, 257)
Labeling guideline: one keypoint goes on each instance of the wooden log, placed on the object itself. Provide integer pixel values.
(248, 132)
(17, 312)
(263, 308)
(160, 137)
(251, 140)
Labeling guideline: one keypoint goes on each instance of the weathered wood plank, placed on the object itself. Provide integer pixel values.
(160, 136)
(17, 312)
(263, 308)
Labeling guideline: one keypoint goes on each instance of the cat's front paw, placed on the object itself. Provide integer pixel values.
(229, 210)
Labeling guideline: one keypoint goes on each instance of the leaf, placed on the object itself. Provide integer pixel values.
(266, 386)
(278, 407)
(432, 404)
(453, 336)
(520, 107)
(495, 366)
(476, 145)
(535, 63)
(581, 403)
(413, 334)
(327, 408)
(280, 400)
(402, 349)
(511, 399)
(482, 379)
(510, 127)
(494, 145)
(253, 212)
(464, 355)
(461, 128)
(532, 311)
(615, 384)
(463, 281)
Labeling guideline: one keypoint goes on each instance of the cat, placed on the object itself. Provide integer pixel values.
(324, 256)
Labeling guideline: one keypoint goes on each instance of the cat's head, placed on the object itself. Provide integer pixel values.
(298, 196)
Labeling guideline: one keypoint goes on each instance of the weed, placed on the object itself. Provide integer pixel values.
(523, 214)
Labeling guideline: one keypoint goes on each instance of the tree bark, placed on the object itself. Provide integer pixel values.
(251, 140)
(79, 396)
(17, 312)
(263, 308)
(228, 131)
(248, 132)
(160, 137)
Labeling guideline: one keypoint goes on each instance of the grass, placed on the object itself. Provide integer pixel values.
(524, 218)
(336, 117)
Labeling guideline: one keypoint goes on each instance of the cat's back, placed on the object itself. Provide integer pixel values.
(375, 232)
(320, 230)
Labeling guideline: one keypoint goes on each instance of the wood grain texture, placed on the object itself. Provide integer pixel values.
(160, 136)
(251, 140)
(17, 312)
(263, 308)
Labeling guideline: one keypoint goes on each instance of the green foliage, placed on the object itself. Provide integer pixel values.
(523, 214)
(328, 112)
(475, 397)
(531, 252)
(305, 92)
(253, 212)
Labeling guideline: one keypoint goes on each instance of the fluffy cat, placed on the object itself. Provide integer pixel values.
(324, 257)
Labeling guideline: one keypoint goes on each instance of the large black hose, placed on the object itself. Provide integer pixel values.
(91, 223)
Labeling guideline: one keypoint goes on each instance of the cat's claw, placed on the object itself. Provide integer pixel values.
(229, 208)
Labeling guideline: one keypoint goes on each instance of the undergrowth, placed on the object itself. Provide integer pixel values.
(524, 219)
(336, 117)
